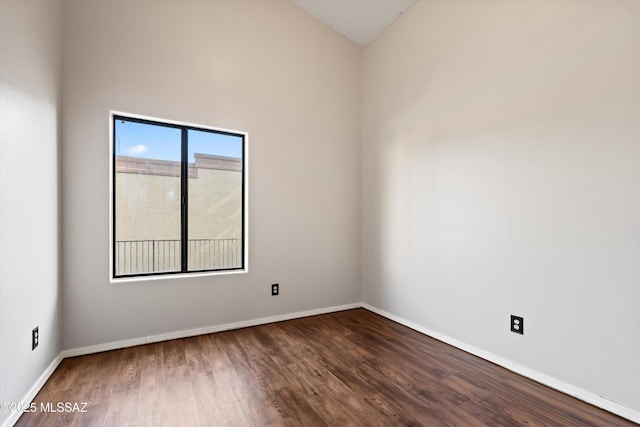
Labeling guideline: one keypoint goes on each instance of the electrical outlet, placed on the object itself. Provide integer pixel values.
(275, 289)
(517, 324)
(35, 338)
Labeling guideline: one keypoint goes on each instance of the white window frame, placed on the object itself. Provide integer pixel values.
(245, 201)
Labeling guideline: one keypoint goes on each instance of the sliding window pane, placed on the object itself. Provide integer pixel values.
(147, 198)
(215, 225)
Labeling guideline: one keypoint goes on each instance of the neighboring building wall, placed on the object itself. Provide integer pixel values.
(215, 205)
(148, 207)
(148, 199)
(148, 212)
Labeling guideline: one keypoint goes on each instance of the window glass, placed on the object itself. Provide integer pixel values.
(178, 194)
(215, 201)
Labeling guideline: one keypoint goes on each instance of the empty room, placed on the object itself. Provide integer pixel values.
(319, 212)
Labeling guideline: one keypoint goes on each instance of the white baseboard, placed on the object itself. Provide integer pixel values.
(26, 400)
(202, 331)
(13, 418)
(578, 393)
(561, 386)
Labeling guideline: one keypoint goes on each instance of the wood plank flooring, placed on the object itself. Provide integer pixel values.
(352, 368)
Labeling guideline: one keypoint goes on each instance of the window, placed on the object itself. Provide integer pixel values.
(178, 198)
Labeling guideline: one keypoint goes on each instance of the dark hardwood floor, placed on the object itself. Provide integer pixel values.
(352, 368)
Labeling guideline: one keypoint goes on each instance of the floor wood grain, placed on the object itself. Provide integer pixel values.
(352, 368)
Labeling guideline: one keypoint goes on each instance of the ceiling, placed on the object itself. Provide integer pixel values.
(359, 20)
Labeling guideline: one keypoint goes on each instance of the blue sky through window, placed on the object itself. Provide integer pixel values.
(163, 143)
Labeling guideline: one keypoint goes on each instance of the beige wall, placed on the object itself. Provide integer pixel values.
(30, 279)
(148, 215)
(263, 67)
(148, 206)
(215, 205)
(501, 171)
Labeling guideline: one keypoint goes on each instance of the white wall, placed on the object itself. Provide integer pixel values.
(501, 175)
(29, 267)
(264, 67)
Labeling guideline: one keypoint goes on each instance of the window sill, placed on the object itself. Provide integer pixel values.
(177, 276)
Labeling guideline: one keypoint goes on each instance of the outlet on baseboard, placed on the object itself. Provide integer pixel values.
(517, 324)
(35, 338)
